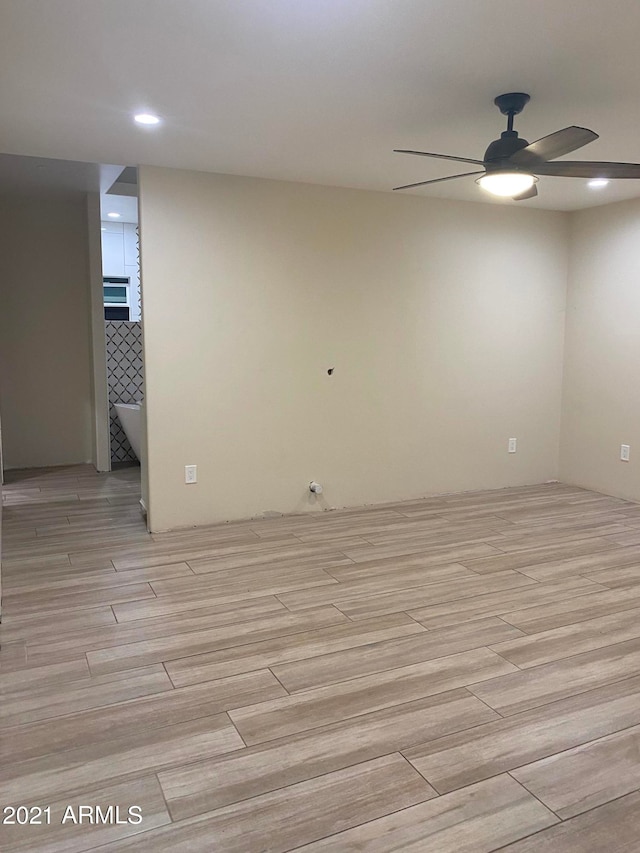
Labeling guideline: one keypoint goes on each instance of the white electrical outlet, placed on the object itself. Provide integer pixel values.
(191, 473)
(625, 450)
(513, 445)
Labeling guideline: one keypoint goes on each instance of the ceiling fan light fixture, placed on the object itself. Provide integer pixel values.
(506, 184)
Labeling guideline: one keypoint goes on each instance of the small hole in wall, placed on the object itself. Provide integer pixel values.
(330, 371)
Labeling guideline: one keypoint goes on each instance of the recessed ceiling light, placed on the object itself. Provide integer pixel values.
(598, 183)
(146, 118)
(114, 215)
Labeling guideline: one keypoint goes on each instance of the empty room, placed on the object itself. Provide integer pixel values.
(319, 426)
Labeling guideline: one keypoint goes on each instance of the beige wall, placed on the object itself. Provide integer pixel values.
(101, 439)
(1, 484)
(601, 400)
(45, 368)
(444, 322)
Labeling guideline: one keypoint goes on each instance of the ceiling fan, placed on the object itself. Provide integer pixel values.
(511, 165)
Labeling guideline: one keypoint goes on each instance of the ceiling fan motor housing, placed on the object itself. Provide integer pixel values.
(501, 149)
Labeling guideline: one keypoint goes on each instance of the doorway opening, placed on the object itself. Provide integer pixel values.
(122, 306)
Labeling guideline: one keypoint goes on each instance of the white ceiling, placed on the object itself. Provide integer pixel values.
(320, 90)
(126, 206)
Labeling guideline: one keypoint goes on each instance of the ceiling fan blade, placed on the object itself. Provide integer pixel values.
(437, 180)
(439, 156)
(555, 145)
(531, 193)
(588, 169)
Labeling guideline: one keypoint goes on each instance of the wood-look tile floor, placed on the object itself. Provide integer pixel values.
(459, 673)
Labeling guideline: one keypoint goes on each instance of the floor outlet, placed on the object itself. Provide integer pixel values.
(191, 473)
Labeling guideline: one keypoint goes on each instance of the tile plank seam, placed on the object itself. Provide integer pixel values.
(522, 785)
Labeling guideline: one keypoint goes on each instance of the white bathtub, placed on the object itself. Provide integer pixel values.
(131, 419)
